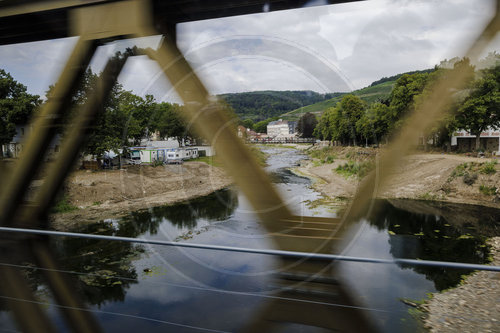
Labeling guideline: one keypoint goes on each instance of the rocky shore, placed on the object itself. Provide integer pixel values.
(474, 306)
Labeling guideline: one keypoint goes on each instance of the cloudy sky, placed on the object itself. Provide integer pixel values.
(325, 49)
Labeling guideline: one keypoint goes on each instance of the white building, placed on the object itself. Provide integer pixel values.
(281, 129)
(490, 140)
(15, 147)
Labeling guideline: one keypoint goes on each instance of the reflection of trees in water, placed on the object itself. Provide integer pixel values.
(104, 264)
(429, 237)
(217, 206)
(107, 261)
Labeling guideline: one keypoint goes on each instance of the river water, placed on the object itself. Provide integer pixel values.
(132, 288)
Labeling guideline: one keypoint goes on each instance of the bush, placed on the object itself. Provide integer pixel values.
(487, 190)
(63, 206)
(324, 155)
(488, 168)
(354, 169)
(459, 171)
(470, 179)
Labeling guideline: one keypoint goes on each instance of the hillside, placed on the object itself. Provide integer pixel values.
(291, 105)
(260, 105)
(369, 94)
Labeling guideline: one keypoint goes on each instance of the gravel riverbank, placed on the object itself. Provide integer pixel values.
(473, 306)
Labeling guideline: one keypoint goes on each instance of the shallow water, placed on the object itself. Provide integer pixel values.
(156, 288)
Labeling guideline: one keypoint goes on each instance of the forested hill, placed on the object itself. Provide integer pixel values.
(260, 105)
(395, 77)
(379, 90)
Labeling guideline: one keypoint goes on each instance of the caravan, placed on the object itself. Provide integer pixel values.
(167, 155)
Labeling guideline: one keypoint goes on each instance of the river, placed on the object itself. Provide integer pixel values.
(132, 288)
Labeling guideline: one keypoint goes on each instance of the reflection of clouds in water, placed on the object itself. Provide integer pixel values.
(204, 267)
(158, 292)
(391, 282)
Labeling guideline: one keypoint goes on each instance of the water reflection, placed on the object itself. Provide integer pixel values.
(217, 206)
(107, 266)
(415, 235)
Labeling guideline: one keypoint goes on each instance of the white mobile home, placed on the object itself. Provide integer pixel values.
(182, 153)
(148, 155)
(205, 150)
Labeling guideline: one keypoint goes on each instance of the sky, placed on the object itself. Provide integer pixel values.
(325, 48)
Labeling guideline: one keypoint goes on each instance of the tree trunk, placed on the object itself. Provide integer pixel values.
(478, 140)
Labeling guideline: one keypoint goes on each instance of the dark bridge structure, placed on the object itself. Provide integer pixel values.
(96, 23)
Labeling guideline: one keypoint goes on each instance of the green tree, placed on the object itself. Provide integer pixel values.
(109, 131)
(479, 110)
(261, 126)
(322, 130)
(442, 129)
(306, 125)
(169, 122)
(352, 109)
(247, 123)
(139, 112)
(403, 97)
(16, 107)
(373, 125)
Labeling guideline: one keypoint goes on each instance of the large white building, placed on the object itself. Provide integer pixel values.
(490, 140)
(281, 129)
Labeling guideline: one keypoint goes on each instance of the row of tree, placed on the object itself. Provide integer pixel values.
(125, 120)
(476, 108)
(16, 107)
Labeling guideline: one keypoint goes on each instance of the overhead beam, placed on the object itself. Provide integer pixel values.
(31, 20)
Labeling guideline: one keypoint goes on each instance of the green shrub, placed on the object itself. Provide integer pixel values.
(488, 168)
(459, 171)
(63, 206)
(359, 169)
(487, 190)
(324, 155)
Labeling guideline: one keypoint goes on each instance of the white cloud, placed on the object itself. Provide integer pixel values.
(327, 48)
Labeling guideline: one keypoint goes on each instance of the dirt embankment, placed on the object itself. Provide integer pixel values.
(107, 194)
(474, 306)
(440, 177)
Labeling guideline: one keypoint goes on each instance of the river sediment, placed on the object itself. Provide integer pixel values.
(420, 176)
(115, 193)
